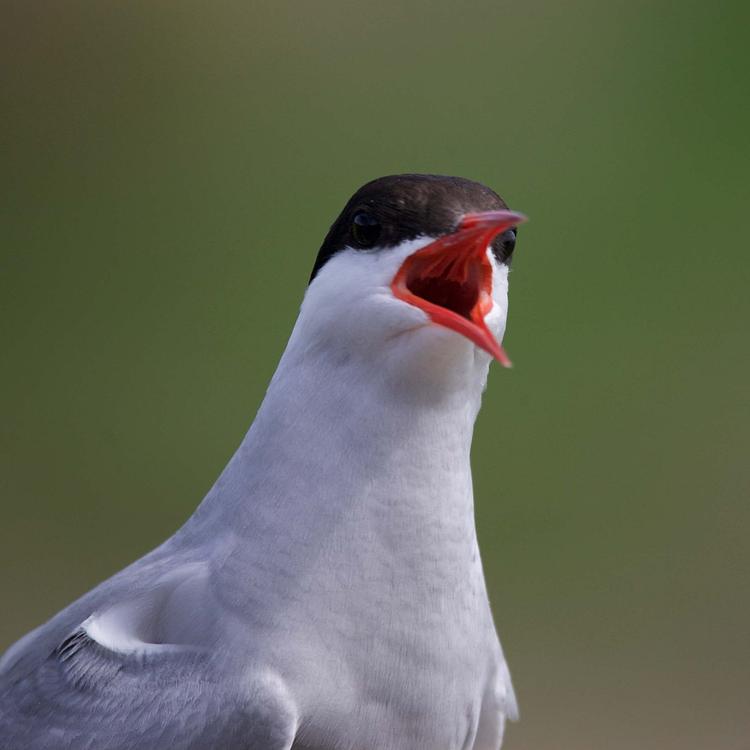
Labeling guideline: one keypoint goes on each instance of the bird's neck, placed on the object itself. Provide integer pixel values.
(337, 450)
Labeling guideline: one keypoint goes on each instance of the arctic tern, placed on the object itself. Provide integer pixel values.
(328, 593)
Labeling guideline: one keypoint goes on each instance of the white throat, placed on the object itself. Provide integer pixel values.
(342, 459)
(337, 437)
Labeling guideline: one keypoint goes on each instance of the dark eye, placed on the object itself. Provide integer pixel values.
(365, 229)
(503, 246)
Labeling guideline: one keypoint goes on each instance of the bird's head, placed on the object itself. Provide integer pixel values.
(414, 274)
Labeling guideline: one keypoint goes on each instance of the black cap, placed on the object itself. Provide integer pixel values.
(390, 210)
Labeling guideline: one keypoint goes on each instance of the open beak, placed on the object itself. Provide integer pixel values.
(451, 278)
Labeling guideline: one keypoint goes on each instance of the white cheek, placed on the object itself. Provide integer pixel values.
(350, 300)
(498, 316)
(360, 273)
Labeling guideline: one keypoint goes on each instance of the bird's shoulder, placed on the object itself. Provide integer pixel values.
(85, 695)
(139, 671)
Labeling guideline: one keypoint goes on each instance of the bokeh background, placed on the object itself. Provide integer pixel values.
(169, 170)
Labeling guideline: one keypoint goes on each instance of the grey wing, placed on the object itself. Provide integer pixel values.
(83, 695)
(137, 675)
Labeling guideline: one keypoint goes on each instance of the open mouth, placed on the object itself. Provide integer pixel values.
(451, 278)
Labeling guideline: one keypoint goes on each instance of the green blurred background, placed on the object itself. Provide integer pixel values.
(170, 169)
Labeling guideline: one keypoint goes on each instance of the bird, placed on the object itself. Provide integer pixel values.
(328, 592)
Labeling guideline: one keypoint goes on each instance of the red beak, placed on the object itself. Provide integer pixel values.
(451, 278)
